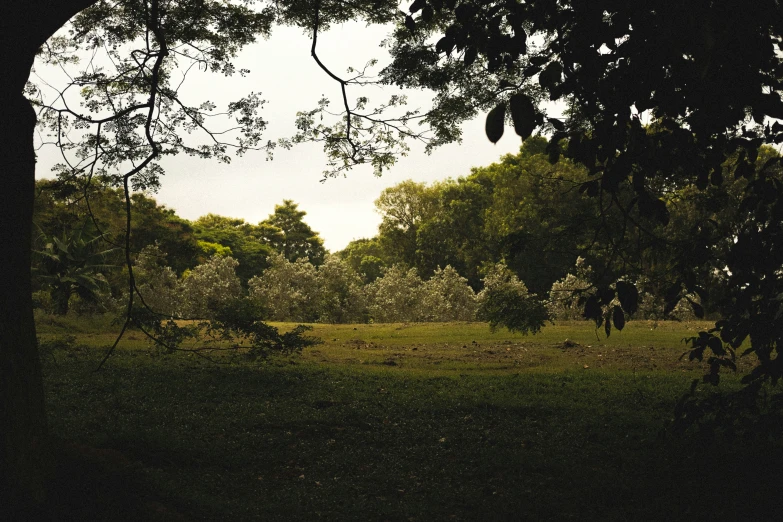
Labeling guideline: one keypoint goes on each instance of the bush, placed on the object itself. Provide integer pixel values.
(157, 283)
(396, 297)
(286, 290)
(446, 296)
(505, 301)
(340, 294)
(209, 286)
(563, 303)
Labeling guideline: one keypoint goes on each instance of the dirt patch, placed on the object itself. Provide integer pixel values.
(568, 344)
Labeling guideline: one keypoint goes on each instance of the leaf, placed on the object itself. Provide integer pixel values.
(716, 178)
(495, 122)
(590, 188)
(592, 309)
(471, 53)
(550, 76)
(427, 14)
(531, 71)
(660, 211)
(605, 294)
(523, 114)
(418, 4)
(445, 45)
(628, 296)
(698, 310)
(716, 346)
(557, 124)
(618, 317)
(409, 23)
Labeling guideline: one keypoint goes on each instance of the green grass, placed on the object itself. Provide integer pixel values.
(412, 422)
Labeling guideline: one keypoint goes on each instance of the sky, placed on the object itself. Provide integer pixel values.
(339, 209)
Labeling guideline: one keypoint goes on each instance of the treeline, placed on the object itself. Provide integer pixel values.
(514, 238)
(79, 242)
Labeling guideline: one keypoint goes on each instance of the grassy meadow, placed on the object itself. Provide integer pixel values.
(398, 422)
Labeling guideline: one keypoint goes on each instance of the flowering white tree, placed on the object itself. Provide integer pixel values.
(446, 296)
(286, 291)
(563, 303)
(396, 297)
(340, 293)
(208, 286)
(157, 283)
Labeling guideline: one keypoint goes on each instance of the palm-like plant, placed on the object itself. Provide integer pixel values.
(72, 264)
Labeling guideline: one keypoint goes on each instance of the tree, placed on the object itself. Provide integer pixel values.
(340, 293)
(66, 202)
(564, 296)
(403, 207)
(707, 74)
(296, 239)
(132, 116)
(157, 282)
(250, 245)
(364, 256)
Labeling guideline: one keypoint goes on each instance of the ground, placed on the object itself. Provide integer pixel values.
(401, 422)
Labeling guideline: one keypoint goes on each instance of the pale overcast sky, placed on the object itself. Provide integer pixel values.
(282, 70)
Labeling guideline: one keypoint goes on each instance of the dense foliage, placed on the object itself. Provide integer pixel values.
(705, 74)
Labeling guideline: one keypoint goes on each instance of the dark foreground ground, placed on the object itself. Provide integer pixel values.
(397, 422)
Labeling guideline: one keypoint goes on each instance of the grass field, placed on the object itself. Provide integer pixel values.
(407, 422)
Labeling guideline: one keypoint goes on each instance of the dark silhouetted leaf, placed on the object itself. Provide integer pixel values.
(471, 53)
(590, 188)
(557, 124)
(717, 177)
(660, 212)
(698, 310)
(531, 71)
(427, 14)
(716, 346)
(523, 113)
(618, 318)
(592, 309)
(418, 4)
(605, 295)
(550, 76)
(712, 378)
(445, 45)
(495, 123)
(628, 296)
(409, 23)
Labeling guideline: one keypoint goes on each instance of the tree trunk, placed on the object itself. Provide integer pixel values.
(22, 419)
(24, 26)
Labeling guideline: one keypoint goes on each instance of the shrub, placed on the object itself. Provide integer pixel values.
(286, 290)
(396, 297)
(209, 286)
(505, 301)
(563, 303)
(157, 283)
(340, 293)
(446, 296)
